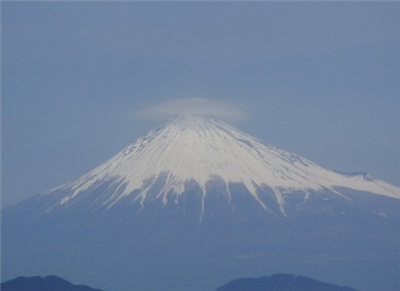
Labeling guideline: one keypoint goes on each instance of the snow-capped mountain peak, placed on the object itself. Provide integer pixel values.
(195, 148)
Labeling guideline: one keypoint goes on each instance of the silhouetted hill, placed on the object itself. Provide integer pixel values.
(48, 283)
(280, 282)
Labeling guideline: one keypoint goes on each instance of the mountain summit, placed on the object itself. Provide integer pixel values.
(199, 150)
(196, 203)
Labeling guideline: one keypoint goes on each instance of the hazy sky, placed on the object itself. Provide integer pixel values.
(318, 79)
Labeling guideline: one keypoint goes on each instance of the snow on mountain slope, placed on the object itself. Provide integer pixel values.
(199, 148)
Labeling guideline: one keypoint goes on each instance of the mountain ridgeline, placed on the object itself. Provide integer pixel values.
(278, 282)
(196, 203)
(37, 283)
(281, 282)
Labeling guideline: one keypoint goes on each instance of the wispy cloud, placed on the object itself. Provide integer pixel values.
(192, 106)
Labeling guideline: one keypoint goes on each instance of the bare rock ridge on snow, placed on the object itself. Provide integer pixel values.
(194, 148)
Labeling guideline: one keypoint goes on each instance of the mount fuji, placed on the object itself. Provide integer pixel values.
(196, 203)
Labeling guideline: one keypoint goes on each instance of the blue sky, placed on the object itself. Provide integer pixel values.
(318, 79)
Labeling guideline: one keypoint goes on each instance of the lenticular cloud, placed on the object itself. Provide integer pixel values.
(192, 106)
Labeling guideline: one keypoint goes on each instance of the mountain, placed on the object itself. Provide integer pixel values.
(195, 203)
(202, 151)
(48, 283)
(277, 282)
(280, 282)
